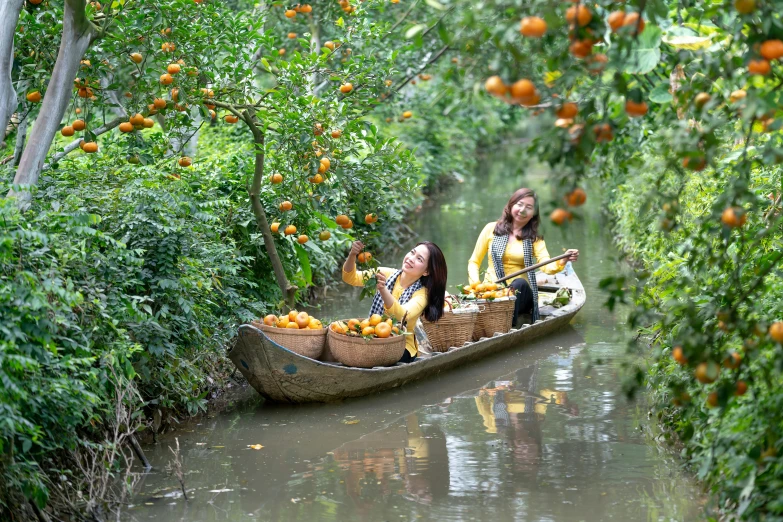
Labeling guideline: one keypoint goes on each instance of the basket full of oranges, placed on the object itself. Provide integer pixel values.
(295, 331)
(496, 308)
(376, 341)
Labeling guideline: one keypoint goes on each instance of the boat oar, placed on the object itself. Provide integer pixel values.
(533, 267)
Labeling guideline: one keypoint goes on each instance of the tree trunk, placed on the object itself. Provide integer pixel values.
(21, 136)
(9, 16)
(289, 290)
(78, 34)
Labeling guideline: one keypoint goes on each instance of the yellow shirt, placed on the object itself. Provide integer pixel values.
(414, 307)
(513, 257)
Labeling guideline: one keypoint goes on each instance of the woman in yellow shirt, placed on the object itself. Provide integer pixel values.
(418, 288)
(512, 242)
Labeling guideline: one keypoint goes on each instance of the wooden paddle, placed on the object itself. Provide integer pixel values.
(533, 267)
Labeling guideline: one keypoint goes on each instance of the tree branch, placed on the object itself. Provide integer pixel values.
(75, 143)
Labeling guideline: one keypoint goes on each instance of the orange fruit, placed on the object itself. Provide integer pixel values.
(137, 119)
(290, 230)
(582, 15)
(772, 49)
(173, 68)
(494, 85)
(737, 95)
(576, 197)
(712, 399)
(316, 179)
(354, 325)
(292, 325)
(347, 225)
(368, 330)
(370, 219)
(285, 206)
(315, 324)
(341, 220)
(292, 315)
(568, 110)
(759, 67)
(346, 88)
(329, 45)
(230, 118)
(679, 356)
(695, 163)
(159, 103)
(407, 114)
(337, 133)
(302, 320)
(326, 163)
(742, 388)
(532, 27)
(745, 6)
(34, 96)
(290, 13)
(581, 48)
(291, 35)
(274, 227)
(270, 320)
(776, 331)
(283, 321)
(365, 323)
(67, 131)
(324, 235)
(90, 147)
(522, 89)
(166, 79)
(383, 330)
(375, 320)
(707, 372)
(559, 216)
(603, 132)
(634, 109)
(79, 125)
(136, 57)
(276, 178)
(302, 239)
(632, 20)
(364, 257)
(126, 126)
(281, 52)
(733, 217)
(733, 361)
(185, 161)
(701, 99)
(615, 20)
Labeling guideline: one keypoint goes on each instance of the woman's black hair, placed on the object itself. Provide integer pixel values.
(505, 225)
(434, 282)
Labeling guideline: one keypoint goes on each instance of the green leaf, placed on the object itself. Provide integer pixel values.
(688, 42)
(304, 263)
(265, 63)
(647, 54)
(340, 22)
(661, 94)
(435, 5)
(416, 29)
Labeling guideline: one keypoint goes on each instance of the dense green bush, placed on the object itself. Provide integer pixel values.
(733, 446)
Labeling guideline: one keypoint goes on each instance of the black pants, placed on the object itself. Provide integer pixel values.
(406, 357)
(524, 303)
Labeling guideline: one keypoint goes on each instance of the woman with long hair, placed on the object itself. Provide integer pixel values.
(513, 243)
(417, 288)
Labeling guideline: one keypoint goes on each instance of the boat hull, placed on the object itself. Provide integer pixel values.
(281, 375)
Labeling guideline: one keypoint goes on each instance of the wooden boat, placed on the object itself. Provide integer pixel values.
(281, 375)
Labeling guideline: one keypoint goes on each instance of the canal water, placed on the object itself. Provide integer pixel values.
(537, 433)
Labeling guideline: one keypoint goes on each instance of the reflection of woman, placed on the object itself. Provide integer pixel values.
(418, 288)
(513, 242)
(427, 462)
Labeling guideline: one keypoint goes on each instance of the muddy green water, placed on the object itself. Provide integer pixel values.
(536, 433)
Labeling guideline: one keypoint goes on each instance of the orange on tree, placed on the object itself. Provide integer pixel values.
(494, 85)
(712, 399)
(603, 132)
(281, 51)
(329, 45)
(337, 133)
(522, 89)
(532, 27)
(772, 49)
(633, 20)
(290, 230)
(701, 99)
(291, 35)
(576, 197)
(324, 235)
(316, 179)
(615, 20)
(364, 257)
(230, 118)
(733, 361)
(290, 13)
(733, 217)
(159, 103)
(276, 178)
(581, 48)
(79, 125)
(559, 216)
(274, 227)
(634, 109)
(695, 163)
(347, 225)
(90, 147)
(568, 110)
(173, 68)
(739, 94)
(578, 14)
(346, 88)
(185, 161)
(679, 356)
(776, 331)
(136, 57)
(761, 67)
(371, 218)
(33, 96)
(407, 114)
(126, 126)
(745, 6)
(286, 205)
(341, 219)
(707, 372)
(302, 239)
(742, 388)
(67, 131)
(137, 119)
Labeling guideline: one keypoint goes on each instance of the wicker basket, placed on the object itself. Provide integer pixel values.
(305, 342)
(366, 353)
(455, 328)
(494, 316)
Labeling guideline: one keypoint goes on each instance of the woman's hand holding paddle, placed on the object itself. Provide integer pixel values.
(573, 257)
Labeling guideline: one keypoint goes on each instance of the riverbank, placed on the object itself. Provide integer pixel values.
(730, 430)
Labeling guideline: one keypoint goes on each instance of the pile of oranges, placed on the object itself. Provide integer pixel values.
(294, 320)
(486, 291)
(374, 327)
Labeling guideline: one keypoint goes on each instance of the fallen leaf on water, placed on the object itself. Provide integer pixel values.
(352, 421)
(255, 446)
(218, 447)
